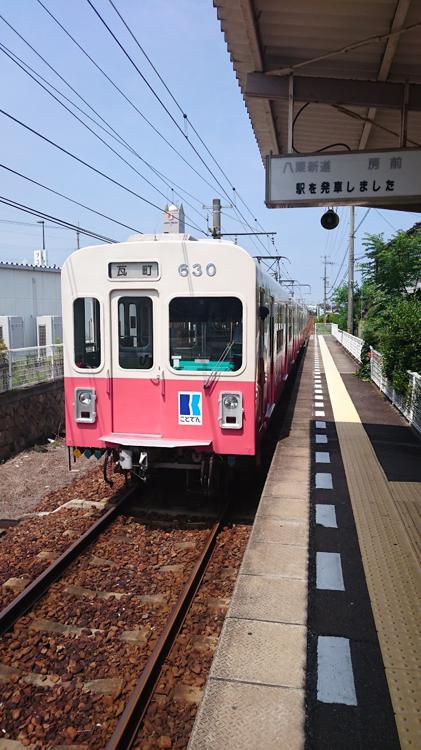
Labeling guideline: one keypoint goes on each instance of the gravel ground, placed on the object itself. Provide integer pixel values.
(56, 655)
(27, 549)
(172, 710)
(29, 476)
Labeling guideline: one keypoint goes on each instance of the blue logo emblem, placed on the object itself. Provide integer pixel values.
(189, 408)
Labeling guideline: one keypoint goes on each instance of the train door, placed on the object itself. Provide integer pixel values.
(262, 373)
(288, 352)
(271, 384)
(136, 392)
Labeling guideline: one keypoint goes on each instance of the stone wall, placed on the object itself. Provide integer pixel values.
(30, 415)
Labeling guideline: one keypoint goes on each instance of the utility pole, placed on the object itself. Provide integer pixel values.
(216, 214)
(350, 322)
(43, 233)
(78, 237)
(326, 264)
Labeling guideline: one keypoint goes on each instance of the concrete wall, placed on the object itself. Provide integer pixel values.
(28, 292)
(30, 415)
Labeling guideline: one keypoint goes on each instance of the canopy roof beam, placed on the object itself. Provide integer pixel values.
(386, 63)
(357, 93)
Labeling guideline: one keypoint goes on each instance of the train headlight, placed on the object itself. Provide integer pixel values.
(84, 403)
(231, 410)
(231, 401)
(85, 397)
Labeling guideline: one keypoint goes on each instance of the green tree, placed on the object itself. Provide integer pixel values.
(340, 304)
(394, 267)
(391, 304)
(400, 341)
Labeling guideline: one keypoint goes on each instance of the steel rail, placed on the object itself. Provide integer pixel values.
(132, 717)
(40, 585)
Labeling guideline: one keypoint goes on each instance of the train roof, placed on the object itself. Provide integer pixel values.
(116, 250)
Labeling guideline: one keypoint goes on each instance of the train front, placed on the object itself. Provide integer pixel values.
(159, 339)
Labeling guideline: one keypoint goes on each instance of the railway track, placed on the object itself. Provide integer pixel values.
(49, 646)
(37, 588)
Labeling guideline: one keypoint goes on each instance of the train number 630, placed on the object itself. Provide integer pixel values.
(196, 269)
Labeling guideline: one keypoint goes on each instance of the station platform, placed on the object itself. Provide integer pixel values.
(321, 644)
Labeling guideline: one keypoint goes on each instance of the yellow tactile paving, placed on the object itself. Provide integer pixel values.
(390, 557)
(408, 503)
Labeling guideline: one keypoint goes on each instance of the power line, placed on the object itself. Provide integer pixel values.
(345, 254)
(140, 113)
(109, 79)
(86, 164)
(163, 105)
(180, 108)
(84, 124)
(61, 222)
(72, 200)
(153, 92)
(25, 67)
(384, 219)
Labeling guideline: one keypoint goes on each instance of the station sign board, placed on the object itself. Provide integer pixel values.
(355, 177)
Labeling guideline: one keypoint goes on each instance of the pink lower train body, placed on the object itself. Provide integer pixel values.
(146, 408)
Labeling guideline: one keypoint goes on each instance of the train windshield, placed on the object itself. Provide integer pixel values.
(206, 333)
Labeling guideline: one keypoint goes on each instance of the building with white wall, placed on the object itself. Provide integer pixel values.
(28, 292)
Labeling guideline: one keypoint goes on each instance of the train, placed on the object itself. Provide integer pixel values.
(176, 351)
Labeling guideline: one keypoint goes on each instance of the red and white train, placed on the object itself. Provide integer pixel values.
(176, 351)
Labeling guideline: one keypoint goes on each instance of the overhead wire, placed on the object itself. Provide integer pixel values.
(140, 113)
(334, 287)
(67, 198)
(61, 222)
(154, 93)
(86, 164)
(82, 49)
(185, 116)
(161, 102)
(21, 65)
(114, 134)
(178, 105)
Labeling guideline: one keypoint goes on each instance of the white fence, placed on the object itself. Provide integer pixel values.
(29, 366)
(351, 343)
(409, 406)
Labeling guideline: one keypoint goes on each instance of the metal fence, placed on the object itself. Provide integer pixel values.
(409, 405)
(29, 366)
(351, 343)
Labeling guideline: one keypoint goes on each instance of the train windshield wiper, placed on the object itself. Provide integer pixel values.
(215, 370)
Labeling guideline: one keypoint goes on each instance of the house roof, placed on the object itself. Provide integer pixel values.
(28, 267)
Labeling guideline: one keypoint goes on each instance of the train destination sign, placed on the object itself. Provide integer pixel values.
(326, 179)
(134, 270)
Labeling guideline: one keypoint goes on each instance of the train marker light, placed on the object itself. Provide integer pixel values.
(84, 404)
(231, 411)
(230, 401)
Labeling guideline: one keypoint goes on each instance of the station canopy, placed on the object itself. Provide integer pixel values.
(322, 76)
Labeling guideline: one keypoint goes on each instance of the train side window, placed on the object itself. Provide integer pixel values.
(290, 323)
(280, 335)
(87, 332)
(279, 339)
(135, 333)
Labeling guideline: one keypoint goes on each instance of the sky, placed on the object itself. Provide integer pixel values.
(184, 41)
